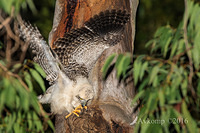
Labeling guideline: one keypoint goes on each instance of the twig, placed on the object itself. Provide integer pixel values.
(8, 50)
(175, 58)
(16, 76)
(11, 49)
(42, 110)
(5, 22)
(12, 35)
(187, 47)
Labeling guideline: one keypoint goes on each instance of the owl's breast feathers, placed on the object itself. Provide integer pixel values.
(79, 49)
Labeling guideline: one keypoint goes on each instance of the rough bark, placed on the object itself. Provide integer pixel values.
(110, 110)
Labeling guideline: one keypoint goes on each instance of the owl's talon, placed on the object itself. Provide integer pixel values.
(76, 111)
(85, 107)
(76, 114)
(68, 115)
(80, 108)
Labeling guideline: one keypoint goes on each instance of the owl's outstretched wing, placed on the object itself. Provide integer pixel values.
(79, 49)
(39, 47)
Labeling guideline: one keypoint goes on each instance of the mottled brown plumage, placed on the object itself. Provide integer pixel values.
(79, 49)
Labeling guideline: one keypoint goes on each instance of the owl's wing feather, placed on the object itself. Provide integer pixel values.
(109, 25)
(39, 47)
(79, 49)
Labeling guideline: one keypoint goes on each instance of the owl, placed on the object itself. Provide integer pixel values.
(68, 64)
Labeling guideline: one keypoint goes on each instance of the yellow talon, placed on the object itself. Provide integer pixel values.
(68, 115)
(76, 111)
(76, 114)
(80, 108)
(85, 107)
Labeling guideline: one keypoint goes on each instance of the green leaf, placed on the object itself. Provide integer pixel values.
(32, 6)
(16, 66)
(126, 64)
(143, 84)
(173, 50)
(11, 95)
(198, 88)
(23, 95)
(184, 87)
(38, 78)
(136, 70)
(161, 98)
(174, 114)
(181, 46)
(166, 47)
(123, 65)
(196, 51)
(137, 96)
(17, 102)
(6, 5)
(4, 91)
(40, 70)
(198, 74)
(30, 123)
(154, 127)
(190, 124)
(16, 128)
(120, 56)
(154, 73)
(160, 31)
(107, 64)
(120, 68)
(37, 122)
(152, 102)
(143, 69)
(150, 42)
(155, 81)
(51, 124)
(27, 78)
(34, 102)
(144, 127)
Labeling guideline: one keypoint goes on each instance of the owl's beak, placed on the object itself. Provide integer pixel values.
(82, 101)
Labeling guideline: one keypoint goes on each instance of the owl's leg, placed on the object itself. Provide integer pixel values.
(76, 111)
(80, 108)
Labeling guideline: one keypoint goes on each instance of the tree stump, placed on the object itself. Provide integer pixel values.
(110, 110)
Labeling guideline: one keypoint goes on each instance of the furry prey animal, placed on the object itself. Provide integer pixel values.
(69, 63)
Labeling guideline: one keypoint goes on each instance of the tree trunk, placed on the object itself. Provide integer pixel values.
(110, 110)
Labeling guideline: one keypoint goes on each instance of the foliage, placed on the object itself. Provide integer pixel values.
(8, 5)
(167, 80)
(43, 18)
(152, 14)
(20, 110)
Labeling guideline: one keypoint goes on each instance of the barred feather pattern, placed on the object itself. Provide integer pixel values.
(39, 47)
(79, 49)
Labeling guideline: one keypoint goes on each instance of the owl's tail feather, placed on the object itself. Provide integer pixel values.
(39, 47)
(108, 22)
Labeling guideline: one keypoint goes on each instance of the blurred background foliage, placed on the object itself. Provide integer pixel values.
(167, 78)
(18, 114)
(152, 14)
(21, 80)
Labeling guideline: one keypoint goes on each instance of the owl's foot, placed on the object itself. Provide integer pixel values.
(77, 111)
(80, 108)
